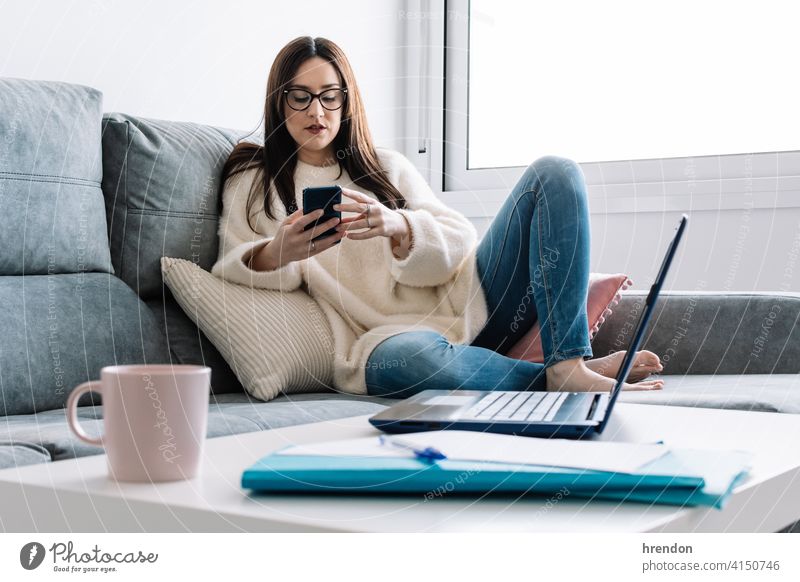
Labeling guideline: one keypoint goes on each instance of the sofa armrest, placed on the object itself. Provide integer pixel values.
(711, 332)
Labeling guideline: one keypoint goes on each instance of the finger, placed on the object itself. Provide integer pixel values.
(324, 244)
(350, 207)
(353, 218)
(320, 228)
(306, 219)
(363, 235)
(294, 215)
(357, 224)
(355, 195)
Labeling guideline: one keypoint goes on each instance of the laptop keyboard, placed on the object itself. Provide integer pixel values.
(517, 406)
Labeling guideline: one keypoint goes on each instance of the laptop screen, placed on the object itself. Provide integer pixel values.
(641, 326)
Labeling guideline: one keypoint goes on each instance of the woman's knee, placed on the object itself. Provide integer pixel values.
(410, 344)
(553, 178)
(399, 365)
(555, 173)
(557, 181)
(557, 166)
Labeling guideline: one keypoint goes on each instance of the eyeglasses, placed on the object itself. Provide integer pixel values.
(300, 99)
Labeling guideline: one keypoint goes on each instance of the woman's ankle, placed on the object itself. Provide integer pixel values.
(564, 368)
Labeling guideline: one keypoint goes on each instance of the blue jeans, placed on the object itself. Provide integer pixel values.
(533, 264)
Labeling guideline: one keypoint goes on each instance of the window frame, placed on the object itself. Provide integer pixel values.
(437, 68)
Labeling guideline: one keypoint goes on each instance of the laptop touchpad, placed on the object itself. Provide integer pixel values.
(449, 400)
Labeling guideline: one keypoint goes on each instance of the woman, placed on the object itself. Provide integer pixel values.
(412, 300)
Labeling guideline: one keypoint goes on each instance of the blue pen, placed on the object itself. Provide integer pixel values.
(429, 454)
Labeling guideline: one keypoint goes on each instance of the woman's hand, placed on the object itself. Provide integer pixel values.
(379, 220)
(292, 243)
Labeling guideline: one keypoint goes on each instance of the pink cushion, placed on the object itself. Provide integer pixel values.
(604, 292)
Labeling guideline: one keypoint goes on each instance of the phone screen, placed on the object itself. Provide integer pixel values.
(322, 197)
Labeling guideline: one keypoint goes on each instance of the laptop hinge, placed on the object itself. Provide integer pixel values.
(593, 407)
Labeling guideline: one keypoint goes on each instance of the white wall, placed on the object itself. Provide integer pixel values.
(199, 60)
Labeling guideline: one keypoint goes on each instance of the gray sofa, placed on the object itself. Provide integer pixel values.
(91, 201)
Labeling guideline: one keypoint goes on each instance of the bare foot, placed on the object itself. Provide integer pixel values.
(644, 364)
(574, 376)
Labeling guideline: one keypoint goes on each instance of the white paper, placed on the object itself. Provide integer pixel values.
(465, 445)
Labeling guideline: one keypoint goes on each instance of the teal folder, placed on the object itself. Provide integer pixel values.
(687, 477)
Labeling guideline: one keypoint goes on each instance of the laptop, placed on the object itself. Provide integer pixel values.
(529, 413)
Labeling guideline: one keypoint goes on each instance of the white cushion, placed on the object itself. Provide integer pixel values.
(275, 342)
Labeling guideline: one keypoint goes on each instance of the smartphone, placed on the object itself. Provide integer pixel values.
(322, 197)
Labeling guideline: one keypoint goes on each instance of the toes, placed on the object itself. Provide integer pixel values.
(648, 358)
(650, 384)
(636, 387)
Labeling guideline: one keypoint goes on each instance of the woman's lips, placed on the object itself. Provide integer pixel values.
(315, 130)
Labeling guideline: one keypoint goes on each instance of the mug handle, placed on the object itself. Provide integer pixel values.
(72, 411)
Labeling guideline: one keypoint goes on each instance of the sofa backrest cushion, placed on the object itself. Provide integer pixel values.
(711, 332)
(161, 181)
(52, 216)
(60, 330)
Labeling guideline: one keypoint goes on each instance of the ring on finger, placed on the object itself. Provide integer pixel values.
(313, 246)
(369, 207)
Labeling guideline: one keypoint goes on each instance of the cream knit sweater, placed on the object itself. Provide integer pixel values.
(365, 292)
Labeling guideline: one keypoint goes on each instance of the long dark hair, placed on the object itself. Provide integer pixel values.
(276, 159)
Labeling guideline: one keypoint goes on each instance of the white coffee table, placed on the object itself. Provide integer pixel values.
(76, 495)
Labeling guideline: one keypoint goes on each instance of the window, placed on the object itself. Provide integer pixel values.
(635, 92)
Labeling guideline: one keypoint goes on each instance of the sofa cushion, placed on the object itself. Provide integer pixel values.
(604, 293)
(161, 181)
(52, 216)
(276, 342)
(756, 392)
(228, 414)
(711, 332)
(189, 345)
(239, 413)
(19, 454)
(60, 330)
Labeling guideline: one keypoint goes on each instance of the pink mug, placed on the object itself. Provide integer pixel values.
(154, 418)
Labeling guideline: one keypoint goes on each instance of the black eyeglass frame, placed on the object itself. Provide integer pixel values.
(317, 96)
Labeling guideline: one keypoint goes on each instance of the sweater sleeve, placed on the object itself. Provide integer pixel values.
(442, 237)
(237, 240)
